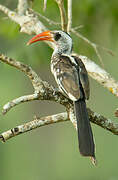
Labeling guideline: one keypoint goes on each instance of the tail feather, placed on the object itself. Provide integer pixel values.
(85, 135)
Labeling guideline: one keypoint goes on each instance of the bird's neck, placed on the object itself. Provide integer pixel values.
(62, 50)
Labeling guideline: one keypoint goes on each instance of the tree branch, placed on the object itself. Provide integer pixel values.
(30, 24)
(18, 101)
(100, 75)
(62, 14)
(48, 93)
(50, 22)
(69, 16)
(34, 78)
(22, 6)
(37, 122)
(45, 5)
(42, 88)
(61, 117)
(95, 46)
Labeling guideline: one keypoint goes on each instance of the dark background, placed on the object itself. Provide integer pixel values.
(51, 152)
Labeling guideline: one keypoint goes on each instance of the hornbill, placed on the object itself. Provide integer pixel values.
(72, 79)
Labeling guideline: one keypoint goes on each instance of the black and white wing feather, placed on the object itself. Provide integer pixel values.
(72, 79)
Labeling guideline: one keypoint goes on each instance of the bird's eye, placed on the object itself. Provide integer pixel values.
(57, 36)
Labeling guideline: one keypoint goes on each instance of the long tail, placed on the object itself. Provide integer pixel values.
(85, 135)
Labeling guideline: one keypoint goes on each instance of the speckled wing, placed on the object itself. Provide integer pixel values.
(67, 78)
(83, 75)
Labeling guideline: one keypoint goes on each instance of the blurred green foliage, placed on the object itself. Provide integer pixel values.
(52, 152)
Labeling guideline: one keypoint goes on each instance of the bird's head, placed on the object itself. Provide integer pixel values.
(61, 40)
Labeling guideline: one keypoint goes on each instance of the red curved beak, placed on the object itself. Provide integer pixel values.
(44, 36)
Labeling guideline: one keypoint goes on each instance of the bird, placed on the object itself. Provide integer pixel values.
(72, 79)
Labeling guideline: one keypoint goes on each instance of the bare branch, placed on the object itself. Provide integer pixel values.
(37, 122)
(61, 117)
(95, 71)
(19, 100)
(50, 22)
(69, 16)
(30, 24)
(22, 6)
(45, 5)
(100, 75)
(107, 50)
(89, 42)
(78, 27)
(103, 122)
(42, 90)
(34, 78)
(62, 14)
(95, 46)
